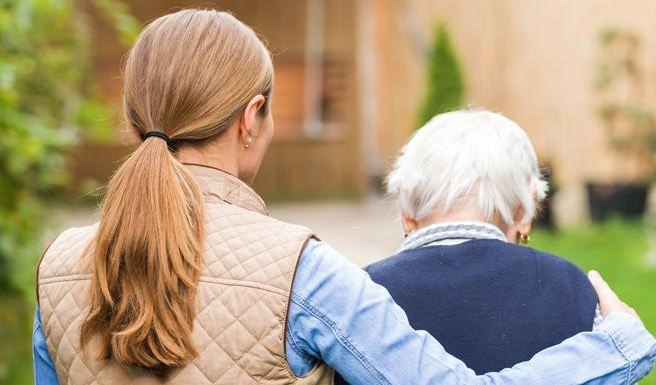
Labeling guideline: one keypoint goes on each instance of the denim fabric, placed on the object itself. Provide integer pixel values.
(338, 315)
(44, 368)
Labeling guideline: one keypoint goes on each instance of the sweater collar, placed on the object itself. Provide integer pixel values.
(217, 184)
(450, 233)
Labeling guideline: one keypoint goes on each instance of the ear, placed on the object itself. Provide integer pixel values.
(248, 128)
(518, 226)
(409, 225)
(525, 228)
(521, 226)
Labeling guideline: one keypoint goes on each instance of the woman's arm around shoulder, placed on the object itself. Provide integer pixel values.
(337, 314)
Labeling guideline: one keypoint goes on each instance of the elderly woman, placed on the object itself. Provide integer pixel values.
(468, 186)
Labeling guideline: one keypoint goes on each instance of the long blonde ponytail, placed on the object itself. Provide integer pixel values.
(147, 261)
(188, 76)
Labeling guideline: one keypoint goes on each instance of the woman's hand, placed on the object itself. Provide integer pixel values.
(608, 300)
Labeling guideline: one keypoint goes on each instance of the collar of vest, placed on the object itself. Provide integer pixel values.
(218, 184)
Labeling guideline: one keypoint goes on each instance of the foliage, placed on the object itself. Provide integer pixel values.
(445, 90)
(119, 15)
(47, 103)
(41, 73)
(629, 121)
(46, 98)
(15, 334)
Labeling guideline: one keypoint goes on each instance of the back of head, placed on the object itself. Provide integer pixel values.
(188, 76)
(190, 73)
(468, 157)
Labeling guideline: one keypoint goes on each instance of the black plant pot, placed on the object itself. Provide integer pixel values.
(627, 200)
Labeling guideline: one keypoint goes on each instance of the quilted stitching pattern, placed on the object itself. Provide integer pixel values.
(243, 294)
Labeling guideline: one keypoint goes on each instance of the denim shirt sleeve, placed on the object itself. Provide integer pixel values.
(338, 315)
(44, 368)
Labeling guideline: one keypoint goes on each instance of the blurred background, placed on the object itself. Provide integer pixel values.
(354, 79)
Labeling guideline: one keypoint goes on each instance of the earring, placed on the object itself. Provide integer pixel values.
(524, 238)
(248, 144)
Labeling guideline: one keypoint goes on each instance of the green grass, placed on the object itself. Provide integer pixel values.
(617, 250)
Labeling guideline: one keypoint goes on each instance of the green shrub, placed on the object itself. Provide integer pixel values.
(445, 89)
(43, 65)
(46, 97)
(15, 334)
(47, 103)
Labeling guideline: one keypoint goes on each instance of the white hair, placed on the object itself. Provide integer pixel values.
(468, 157)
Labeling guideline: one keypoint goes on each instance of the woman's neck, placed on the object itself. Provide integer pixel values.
(213, 154)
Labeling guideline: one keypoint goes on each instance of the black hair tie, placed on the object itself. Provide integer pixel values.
(157, 134)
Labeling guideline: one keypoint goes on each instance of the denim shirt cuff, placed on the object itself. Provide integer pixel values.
(633, 341)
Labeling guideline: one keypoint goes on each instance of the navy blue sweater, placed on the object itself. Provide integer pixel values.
(490, 303)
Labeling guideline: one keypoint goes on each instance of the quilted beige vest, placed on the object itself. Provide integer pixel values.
(243, 297)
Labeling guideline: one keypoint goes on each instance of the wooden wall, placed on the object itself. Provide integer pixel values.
(296, 166)
(534, 61)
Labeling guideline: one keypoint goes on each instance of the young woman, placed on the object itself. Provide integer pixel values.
(187, 280)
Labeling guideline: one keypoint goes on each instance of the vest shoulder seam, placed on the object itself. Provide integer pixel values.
(65, 278)
(241, 283)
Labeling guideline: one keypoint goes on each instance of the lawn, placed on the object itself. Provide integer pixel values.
(617, 249)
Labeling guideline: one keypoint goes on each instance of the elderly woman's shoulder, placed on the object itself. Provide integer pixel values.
(399, 261)
(550, 266)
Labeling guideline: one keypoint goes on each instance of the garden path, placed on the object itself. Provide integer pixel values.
(365, 231)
